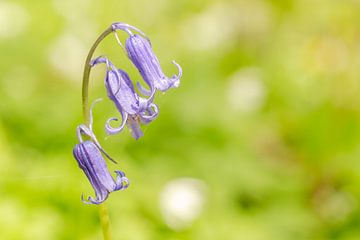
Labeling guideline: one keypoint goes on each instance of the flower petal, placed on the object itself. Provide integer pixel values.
(134, 127)
(143, 90)
(111, 130)
(122, 182)
(150, 113)
(119, 87)
(133, 109)
(141, 54)
(91, 200)
(92, 163)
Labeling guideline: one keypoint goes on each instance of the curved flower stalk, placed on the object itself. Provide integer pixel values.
(133, 109)
(90, 160)
(139, 51)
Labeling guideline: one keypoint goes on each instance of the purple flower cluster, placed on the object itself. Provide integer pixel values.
(133, 108)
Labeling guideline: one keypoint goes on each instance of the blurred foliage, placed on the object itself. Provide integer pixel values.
(267, 116)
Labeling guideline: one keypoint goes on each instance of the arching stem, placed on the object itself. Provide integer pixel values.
(103, 212)
(86, 75)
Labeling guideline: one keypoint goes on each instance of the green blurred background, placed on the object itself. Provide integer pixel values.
(260, 141)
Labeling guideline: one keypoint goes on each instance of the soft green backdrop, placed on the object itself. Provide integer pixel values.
(266, 118)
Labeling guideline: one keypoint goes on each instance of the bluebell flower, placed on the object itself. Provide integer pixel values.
(90, 160)
(133, 108)
(139, 51)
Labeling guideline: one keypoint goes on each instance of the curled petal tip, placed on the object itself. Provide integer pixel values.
(178, 76)
(176, 83)
(122, 182)
(150, 114)
(126, 183)
(91, 200)
(111, 130)
(88, 202)
(120, 173)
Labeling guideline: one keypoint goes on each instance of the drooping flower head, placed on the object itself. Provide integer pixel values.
(90, 160)
(133, 108)
(139, 51)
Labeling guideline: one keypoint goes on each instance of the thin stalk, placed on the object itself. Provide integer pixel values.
(86, 75)
(105, 221)
(103, 212)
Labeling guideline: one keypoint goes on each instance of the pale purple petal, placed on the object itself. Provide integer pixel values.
(149, 114)
(93, 164)
(141, 54)
(111, 130)
(119, 87)
(122, 182)
(134, 127)
(143, 90)
(133, 109)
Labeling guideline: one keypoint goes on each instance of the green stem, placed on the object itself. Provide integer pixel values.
(103, 212)
(105, 221)
(86, 75)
